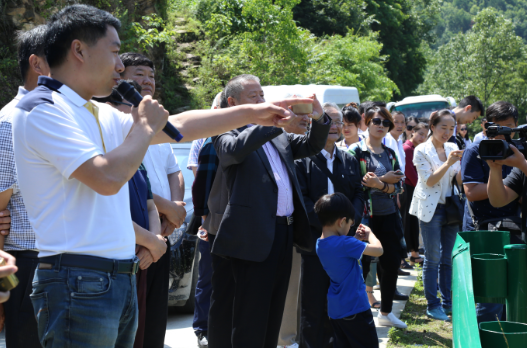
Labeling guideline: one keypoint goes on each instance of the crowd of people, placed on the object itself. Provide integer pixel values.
(299, 213)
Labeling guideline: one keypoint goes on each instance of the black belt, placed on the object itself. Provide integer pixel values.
(284, 220)
(91, 262)
(29, 254)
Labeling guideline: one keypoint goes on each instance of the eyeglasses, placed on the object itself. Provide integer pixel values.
(409, 128)
(385, 123)
(337, 123)
(463, 129)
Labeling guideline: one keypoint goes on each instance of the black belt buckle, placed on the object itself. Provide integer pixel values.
(135, 267)
(290, 220)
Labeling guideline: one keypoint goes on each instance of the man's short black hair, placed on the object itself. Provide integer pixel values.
(223, 101)
(30, 42)
(365, 106)
(76, 22)
(135, 59)
(116, 98)
(474, 102)
(500, 111)
(330, 208)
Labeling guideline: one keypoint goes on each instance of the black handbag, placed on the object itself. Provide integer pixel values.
(455, 206)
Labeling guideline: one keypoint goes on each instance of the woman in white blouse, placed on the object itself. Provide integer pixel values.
(437, 162)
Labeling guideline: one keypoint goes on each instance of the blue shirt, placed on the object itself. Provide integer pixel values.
(476, 171)
(140, 193)
(340, 256)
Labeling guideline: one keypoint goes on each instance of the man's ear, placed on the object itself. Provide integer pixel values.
(36, 62)
(467, 108)
(231, 101)
(77, 48)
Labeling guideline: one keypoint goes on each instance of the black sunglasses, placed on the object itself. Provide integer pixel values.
(463, 129)
(385, 123)
(409, 128)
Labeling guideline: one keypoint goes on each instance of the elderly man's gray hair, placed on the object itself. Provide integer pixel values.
(331, 105)
(235, 85)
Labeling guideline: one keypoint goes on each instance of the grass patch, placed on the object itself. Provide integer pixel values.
(421, 331)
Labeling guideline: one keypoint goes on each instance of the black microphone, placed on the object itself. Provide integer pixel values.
(128, 92)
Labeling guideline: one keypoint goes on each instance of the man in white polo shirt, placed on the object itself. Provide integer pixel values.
(74, 159)
(168, 188)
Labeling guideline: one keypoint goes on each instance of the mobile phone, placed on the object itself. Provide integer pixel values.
(9, 282)
(399, 172)
(303, 108)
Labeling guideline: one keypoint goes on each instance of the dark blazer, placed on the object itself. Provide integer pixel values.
(248, 226)
(314, 184)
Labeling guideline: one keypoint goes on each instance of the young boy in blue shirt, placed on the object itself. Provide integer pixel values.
(348, 306)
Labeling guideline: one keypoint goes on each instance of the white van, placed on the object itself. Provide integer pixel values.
(422, 106)
(325, 93)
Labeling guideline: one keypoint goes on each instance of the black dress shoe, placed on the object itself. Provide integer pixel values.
(402, 272)
(400, 296)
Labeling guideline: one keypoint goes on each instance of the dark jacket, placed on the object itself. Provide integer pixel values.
(314, 184)
(248, 226)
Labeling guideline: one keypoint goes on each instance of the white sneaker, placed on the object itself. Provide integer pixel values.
(390, 320)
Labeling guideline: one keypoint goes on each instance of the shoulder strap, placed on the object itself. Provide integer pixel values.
(322, 165)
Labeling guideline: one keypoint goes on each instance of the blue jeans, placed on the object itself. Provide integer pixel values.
(203, 288)
(77, 307)
(438, 239)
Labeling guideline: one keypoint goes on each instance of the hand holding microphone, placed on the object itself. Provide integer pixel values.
(129, 93)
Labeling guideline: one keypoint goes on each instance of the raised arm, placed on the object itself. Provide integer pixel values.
(233, 148)
(195, 124)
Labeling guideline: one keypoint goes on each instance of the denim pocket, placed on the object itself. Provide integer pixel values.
(40, 307)
(88, 284)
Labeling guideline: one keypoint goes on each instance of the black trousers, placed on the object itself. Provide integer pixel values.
(157, 302)
(219, 332)
(260, 292)
(356, 331)
(384, 227)
(20, 324)
(315, 328)
(410, 222)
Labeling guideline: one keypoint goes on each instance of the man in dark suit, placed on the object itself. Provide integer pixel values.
(265, 216)
(330, 171)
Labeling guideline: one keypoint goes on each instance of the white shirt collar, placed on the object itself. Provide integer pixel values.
(326, 154)
(21, 93)
(72, 96)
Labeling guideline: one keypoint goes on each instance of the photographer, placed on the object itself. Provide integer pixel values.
(480, 215)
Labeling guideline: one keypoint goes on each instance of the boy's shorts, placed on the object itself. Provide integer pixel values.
(357, 331)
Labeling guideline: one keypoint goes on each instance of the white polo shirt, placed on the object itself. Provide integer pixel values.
(53, 135)
(159, 162)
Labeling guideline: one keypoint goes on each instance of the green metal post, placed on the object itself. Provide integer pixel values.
(517, 282)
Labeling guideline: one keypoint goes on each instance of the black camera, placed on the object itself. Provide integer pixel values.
(500, 149)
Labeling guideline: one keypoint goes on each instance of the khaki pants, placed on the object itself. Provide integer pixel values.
(289, 328)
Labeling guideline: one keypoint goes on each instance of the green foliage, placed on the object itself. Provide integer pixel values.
(352, 61)
(262, 38)
(146, 36)
(487, 61)
(458, 14)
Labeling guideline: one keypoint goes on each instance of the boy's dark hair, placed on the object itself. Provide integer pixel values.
(474, 102)
(223, 101)
(351, 114)
(116, 98)
(500, 111)
(330, 208)
(76, 22)
(135, 59)
(30, 42)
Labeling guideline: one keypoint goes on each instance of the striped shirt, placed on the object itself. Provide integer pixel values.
(21, 235)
